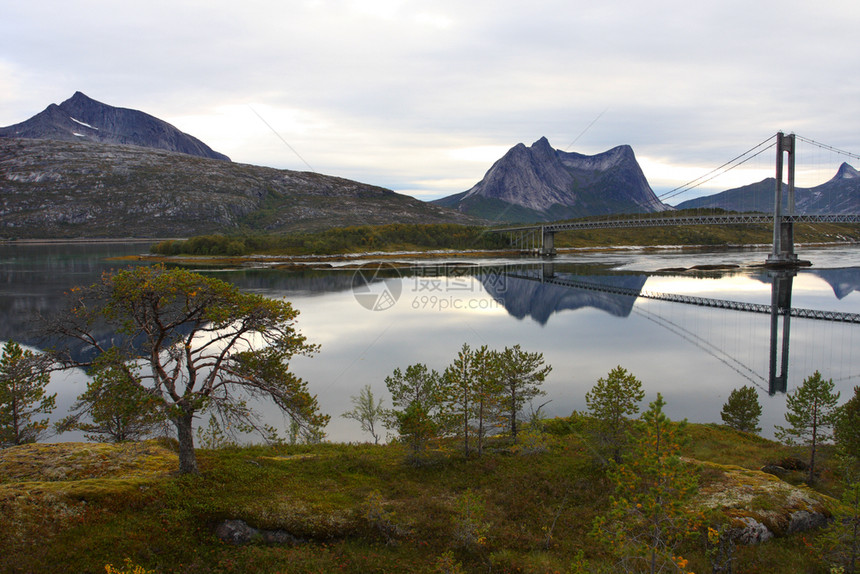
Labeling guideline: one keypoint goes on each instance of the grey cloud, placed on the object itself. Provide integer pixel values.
(392, 84)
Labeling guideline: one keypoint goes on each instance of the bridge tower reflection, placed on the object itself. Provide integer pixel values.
(780, 305)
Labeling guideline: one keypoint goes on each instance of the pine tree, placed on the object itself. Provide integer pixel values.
(119, 406)
(648, 516)
(810, 413)
(841, 541)
(611, 401)
(520, 374)
(23, 378)
(460, 378)
(193, 336)
(846, 430)
(487, 394)
(742, 410)
(417, 397)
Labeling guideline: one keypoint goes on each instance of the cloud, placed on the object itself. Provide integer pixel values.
(395, 94)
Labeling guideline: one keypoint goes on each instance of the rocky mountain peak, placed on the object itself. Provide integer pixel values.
(840, 194)
(541, 183)
(846, 172)
(81, 118)
(542, 146)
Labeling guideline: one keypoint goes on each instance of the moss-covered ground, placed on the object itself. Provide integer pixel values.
(361, 508)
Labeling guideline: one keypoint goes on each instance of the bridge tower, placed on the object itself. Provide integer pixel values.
(547, 248)
(783, 254)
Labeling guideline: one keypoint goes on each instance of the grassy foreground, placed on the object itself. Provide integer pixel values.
(76, 507)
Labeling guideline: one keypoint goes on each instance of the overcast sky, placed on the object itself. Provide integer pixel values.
(422, 97)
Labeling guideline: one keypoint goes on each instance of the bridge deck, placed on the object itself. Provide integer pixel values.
(728, 219)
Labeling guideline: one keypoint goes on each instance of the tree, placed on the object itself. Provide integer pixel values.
(487, 394)
(843, 537)
(846, 430)
(206, 346)
(120, 407)
(611, 401)
(810, 413)
(367, 411)
(417, 398)
(849, 519)
(648, 516)
(742, 410)
(23, 378)
(484, 386)
(416, 426)
(460, 383)
(840, 542)
(520, 374)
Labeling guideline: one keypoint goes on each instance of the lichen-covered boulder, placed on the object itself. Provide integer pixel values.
(759, 505)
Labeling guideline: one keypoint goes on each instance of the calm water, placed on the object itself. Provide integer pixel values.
(367, 324)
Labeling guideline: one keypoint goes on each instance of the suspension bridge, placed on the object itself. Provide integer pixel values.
(540, 238)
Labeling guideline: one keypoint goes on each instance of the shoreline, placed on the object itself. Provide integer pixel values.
(82, 240)
(395, 258)
(348, 260)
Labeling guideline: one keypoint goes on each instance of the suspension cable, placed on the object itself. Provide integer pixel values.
(717, 171)
(734, 364)
(718, 174)
(827, 147)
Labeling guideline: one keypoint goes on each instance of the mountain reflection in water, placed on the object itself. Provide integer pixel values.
(843, 281)
(529, 297)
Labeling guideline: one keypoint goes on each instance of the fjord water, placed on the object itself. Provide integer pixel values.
(368, 323)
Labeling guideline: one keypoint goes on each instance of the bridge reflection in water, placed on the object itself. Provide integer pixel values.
(630, 287)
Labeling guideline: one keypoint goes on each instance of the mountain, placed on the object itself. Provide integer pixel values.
(540, 183)
(81, 118)
(52, 188)
(841, 194)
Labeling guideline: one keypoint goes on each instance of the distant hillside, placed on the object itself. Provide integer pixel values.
(81, 118)
(540, 183)
(81, 189)
(839, 195)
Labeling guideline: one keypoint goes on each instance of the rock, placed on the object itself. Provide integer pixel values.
(279, 537)
(774, 469)
(238, 533)
(753, 531)
(793, 463)
(804, 520)
(718, 267)
(760, 505)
